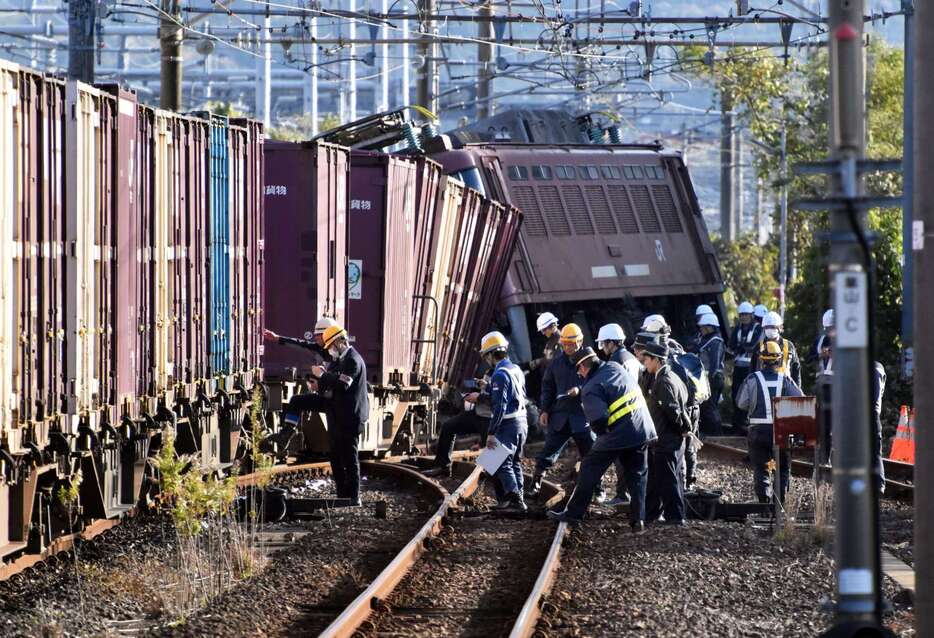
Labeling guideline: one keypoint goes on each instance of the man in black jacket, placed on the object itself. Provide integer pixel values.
(343, 398)
(666, 396)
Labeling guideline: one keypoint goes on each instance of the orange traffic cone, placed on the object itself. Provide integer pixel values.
(903, 447)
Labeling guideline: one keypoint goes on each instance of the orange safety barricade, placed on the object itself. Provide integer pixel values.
(903, 447)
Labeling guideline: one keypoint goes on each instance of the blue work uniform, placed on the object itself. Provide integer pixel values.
(755, 397)
(711, 352)
(743, 344)
(631, 364)
(565, 414)
(614, 404)
(508, 424)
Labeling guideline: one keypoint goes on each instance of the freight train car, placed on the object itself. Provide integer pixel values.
(420, 255)
(612, 232)
(130, 286)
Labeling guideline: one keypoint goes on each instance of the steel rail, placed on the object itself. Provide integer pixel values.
(897, 474)
(532, 609)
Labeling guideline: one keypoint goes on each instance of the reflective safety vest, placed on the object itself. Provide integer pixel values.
(744, 360)
(783, 369)
(762, 415)
(629, 402)
(518, 386)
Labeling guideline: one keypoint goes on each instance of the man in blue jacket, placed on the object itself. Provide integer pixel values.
(508, 424)
(616, 408)
(560, 406)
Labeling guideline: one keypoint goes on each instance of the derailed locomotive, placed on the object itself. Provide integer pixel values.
(612, 231)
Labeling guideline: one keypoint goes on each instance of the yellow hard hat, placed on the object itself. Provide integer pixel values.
(571, 333)
(493, 341)
(332, 334)
(770, 351)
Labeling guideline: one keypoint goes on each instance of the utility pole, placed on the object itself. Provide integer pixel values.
(923, 249)
(170, 69)
(856, 539)
(352, 36)
(485, 56)
(428, 88)
(783, 222)
(726, 167)
(263, 68)
(738, 187)
(313, 32)
(406, 82)
(908, 180)
(82, 15)
(386, 64)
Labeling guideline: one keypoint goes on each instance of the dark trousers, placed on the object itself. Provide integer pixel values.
(710, 424)
(664, 493)
(300, 403)
(594, 466)
(739, 416)
(690, 452)
(461, 425)
(345, 464)
(508, 478)
(555, 441)
(759, 442)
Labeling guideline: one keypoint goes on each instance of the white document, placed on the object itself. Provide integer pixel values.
(491, 458)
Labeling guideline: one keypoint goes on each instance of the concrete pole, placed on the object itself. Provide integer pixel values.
(263, 77)
(313, 31)
(170, 70)
(856, 540)
(923, 274)
(82, 15)
(386, 64)
(726, 167)
(406, 96)
(485, 56)
(352, 71)
(428, 50)
(908, 191)
(783, 223)
(738, 185)
(760, 186)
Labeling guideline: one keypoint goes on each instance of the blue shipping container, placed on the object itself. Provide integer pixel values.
(219, 246)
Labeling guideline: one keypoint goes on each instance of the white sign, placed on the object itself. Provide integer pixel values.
(361, 204)
(660, 251)
(276, 189)
(917, 234)
(602, 272)
(850, 310)
(355, 279)
(636, 270)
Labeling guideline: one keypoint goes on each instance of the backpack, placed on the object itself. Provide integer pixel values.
(690, 368)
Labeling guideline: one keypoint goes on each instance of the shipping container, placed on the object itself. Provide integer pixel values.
(10, 147)
(219, 239)
(381, 250)
(306, 268)
(428, 183)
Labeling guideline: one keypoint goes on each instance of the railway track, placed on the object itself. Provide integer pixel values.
(899, 477)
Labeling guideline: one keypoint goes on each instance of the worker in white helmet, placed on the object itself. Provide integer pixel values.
(759, 312)
(547, 326)
(312, 341)
(611, 340)
(711, 351)
(818, 354)
(744, 343)
(693, 343)
(821, 355)
(789, 365)
(656, 324)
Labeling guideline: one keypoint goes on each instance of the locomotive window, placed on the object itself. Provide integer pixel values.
(565, 172)
(582, 172)
(650, 172)
(541, 172)
(518, 173)
(610, 172)
(628, 172)
(640, 174)
(592, 172)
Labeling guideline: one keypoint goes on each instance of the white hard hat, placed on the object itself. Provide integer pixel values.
(827, 319)
(760, 310)
(745, 308)
(611, 332)
(703, 309)
(654, 323)
(544, 320)
(772, 320)
(709, 319)
(323, 324)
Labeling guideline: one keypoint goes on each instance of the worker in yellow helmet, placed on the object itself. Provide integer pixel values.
(342, 396)
(561, 410)
(506, 398)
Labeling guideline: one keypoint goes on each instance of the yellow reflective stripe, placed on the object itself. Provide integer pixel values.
(626, 398)
(621, 411)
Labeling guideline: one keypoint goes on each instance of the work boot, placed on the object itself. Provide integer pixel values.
(440, 471)
(638, 527)
(536, 486)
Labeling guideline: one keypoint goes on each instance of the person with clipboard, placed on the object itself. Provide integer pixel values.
(508, 426)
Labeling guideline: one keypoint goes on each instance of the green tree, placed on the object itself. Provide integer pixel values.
(748, 270)
(299, 128)
(762, 88)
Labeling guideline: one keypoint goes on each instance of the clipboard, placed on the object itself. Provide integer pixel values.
(491, 459)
